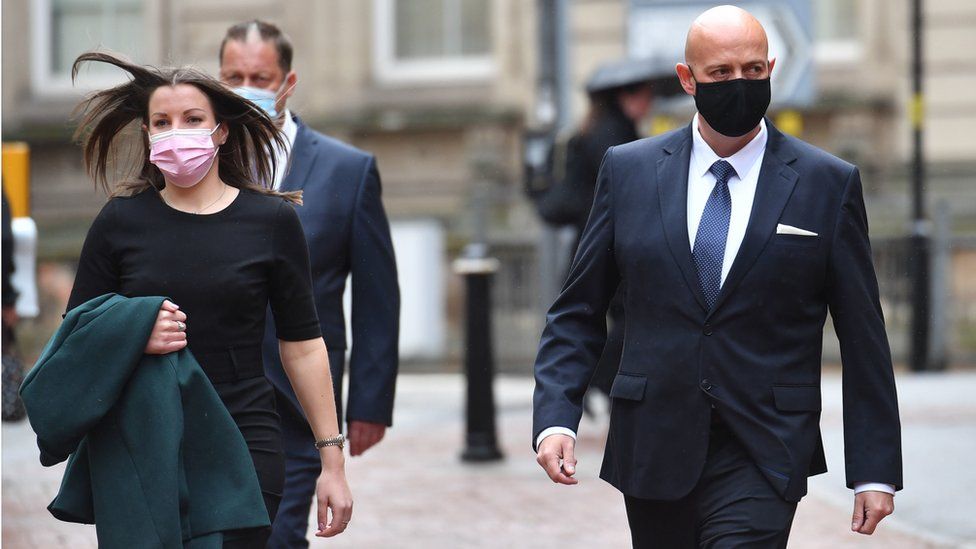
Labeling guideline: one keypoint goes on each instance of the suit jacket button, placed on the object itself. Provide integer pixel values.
(706, 385)
(708, 329)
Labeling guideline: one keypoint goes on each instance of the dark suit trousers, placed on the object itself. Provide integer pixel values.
(733, 505)
(302, 465)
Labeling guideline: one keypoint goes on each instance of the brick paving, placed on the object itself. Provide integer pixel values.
(412, 491)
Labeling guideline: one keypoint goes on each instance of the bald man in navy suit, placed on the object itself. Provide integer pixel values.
(732, 241)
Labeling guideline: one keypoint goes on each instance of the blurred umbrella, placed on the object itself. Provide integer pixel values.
(627, 72)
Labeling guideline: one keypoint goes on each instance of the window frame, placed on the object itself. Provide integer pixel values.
(841, 50)
(390, 70)
(47, 83)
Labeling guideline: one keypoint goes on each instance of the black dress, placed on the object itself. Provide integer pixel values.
(222, 270)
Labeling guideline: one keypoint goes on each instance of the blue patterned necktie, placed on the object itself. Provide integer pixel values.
(713, 231)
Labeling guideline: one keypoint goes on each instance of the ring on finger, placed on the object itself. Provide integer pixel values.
(180, 326)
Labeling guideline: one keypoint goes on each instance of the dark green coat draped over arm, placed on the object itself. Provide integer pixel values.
(154, 458)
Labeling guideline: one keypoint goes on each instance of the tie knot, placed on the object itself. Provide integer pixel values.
(722, 171)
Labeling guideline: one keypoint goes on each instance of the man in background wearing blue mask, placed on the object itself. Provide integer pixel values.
(348, 234)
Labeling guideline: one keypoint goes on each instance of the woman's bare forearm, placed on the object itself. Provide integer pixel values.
(307, 365)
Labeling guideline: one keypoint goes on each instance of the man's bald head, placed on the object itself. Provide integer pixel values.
(724, 43)
(724, 29)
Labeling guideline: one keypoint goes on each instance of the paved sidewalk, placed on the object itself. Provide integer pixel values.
(413, 492)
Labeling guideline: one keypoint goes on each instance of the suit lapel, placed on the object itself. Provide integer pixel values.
(776, 182)
(301, 159)
(672, 188)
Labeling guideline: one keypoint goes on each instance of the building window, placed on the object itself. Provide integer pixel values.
(63, 29)
(837, 30)
(418, 40)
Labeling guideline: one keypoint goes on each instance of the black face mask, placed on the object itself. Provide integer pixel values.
(733, 107)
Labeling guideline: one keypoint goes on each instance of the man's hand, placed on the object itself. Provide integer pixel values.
(869, 508)
(363, 435)
(556, 456)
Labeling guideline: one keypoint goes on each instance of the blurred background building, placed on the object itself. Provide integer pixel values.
(442, 91)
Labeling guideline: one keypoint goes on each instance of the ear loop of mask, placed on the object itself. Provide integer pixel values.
(278, 96)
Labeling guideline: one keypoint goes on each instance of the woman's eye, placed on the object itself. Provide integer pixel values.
(159, 123)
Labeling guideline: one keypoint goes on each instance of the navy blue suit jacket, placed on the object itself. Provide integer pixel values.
(756, 355)
(347, 233)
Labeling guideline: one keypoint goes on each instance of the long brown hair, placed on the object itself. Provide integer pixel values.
(111, 117)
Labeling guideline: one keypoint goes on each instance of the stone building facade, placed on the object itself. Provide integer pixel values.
(442, 91)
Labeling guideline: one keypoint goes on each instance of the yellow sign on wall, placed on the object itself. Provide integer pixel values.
(790, 122)
(16, 177)
(662, 124)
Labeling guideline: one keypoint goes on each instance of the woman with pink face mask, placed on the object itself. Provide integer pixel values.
(192, 217)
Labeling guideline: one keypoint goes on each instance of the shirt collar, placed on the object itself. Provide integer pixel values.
(743, 161)
(290, 129)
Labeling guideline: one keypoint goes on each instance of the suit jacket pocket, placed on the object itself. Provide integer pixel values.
(796, 240)
(628, 386)
(797, 398)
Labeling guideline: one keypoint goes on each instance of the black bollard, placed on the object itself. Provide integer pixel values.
(479, 362)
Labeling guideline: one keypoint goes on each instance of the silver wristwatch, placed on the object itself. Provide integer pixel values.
(338, 440)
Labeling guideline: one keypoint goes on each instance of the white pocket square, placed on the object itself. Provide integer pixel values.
(789, 229)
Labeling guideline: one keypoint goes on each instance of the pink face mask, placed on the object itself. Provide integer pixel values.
(184, 156)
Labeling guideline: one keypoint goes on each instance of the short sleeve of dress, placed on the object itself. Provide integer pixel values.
(98, 269)
(291, 280)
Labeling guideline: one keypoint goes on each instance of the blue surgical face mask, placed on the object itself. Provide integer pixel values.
(266, 99)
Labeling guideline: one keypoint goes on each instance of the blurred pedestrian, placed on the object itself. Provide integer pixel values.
(732, 241)
(9, 292)
(197, 221)
(13, 372)
(348, 235)
(621, 95)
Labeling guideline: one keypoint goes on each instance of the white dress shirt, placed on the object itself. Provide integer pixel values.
(747, 162)
(290, 129)
(742, 187)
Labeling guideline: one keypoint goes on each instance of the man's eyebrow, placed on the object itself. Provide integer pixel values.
(708, 68)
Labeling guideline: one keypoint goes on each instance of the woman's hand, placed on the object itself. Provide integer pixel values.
(332, 492)
(307, 365)
(169, 333)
